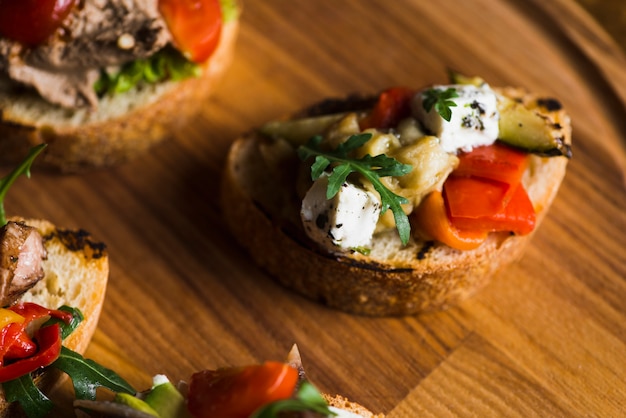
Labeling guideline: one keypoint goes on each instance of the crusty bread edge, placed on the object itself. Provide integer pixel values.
(107, 138)
(72, 255)
(356, 285)
(345, 404)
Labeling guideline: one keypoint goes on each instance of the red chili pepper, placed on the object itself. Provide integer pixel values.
(49, 341)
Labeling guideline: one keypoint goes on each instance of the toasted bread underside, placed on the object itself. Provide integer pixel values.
(76, 275)
(260, 207)
(123, 126)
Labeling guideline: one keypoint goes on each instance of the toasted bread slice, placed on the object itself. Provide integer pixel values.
(261, 207)
(76, 275)
(122, 127)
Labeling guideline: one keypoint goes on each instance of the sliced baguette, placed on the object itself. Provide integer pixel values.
(261, 208)
(76, 275)
(122, 127)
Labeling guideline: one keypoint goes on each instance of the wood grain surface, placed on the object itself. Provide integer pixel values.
(546, 338)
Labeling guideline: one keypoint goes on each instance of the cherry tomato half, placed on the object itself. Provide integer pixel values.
(196, 26)
(238, 392)
(31, 22)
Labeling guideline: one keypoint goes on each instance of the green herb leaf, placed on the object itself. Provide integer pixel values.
(372, 168)
(7, 182)
(166, 64)
(87, 375)
(441, 101)
(67, 329)
(24, 391)
(307, 399)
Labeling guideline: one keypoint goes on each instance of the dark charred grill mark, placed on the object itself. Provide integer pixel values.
(423, 252)
(79, 241)
(550, 104)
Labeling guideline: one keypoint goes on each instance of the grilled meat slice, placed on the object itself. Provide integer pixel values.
(21, 260)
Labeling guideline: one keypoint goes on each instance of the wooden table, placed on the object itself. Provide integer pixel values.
(546, 338)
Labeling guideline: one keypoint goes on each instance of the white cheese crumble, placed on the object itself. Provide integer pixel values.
(474, 120)
(348, 220)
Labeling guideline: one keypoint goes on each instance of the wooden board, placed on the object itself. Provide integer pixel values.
(546, 338)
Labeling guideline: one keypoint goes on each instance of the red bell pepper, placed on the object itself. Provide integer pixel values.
(518, 217)
(393, 105)
(49, 342)
(497, 162)
(485, 192)
(18, 352)
(238, 392)
(15, 343)
(431, 219)
(31, 311)
(474, 197)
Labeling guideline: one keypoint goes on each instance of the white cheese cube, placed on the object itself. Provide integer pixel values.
(474, 120)
(348, 220)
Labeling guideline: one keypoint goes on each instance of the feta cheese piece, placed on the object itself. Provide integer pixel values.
(348, 220)
(474, 120)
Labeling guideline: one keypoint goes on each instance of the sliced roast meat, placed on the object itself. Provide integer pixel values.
(97, 34)
(21, 260)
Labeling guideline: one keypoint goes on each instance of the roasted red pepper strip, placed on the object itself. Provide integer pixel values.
(432, 220)
(518, 217)
(393, 105)
(49, 341)
(15, 343)
(238, 392)
(497, 162)
(31, 311)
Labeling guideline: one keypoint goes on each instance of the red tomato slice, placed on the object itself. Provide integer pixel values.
(238, 392)
(496, 162)
(31, 22)
(518, 217)
(196, 26)
(393, 105)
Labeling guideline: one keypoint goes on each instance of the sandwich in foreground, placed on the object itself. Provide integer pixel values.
(269, 390)
(401, 203)
(102, 81)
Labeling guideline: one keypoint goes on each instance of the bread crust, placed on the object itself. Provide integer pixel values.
(423, 276)
(76, 275)
(120, 129)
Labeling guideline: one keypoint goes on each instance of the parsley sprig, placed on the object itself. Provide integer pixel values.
(441, 101)
(372, 168)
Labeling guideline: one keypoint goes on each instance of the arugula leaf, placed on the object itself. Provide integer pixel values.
(372, 168)
(7, 182)
(87, 375)
(23, 390)
(166, 64)
(67, 329)
(440, 100)
(308, 398)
